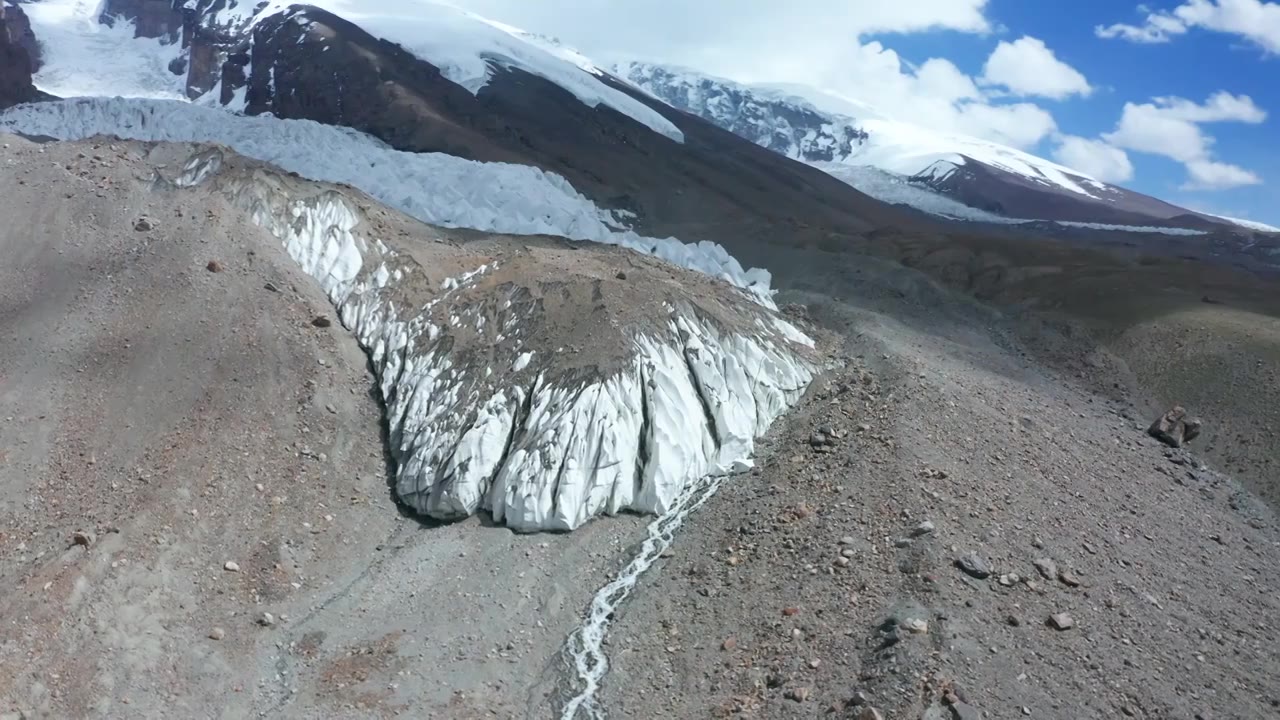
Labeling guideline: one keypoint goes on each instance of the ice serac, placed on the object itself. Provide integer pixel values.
(498, 425)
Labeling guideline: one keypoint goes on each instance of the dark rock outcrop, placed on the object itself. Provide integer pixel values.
(1175, 428)
(207, 41)
(17, 57)
(151, 18)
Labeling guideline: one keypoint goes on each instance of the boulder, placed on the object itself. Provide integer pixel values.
(1175, 428)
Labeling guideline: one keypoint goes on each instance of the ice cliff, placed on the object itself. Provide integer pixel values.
(498, 424)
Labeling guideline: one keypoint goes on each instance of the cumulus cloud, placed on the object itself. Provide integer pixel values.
(821, 43)
(1257, 21)
(1102, 160)
(1212, 175)
(1170, 127)
(1027, 66)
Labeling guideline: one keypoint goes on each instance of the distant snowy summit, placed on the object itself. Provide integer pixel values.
(898, 162)
(785, 126)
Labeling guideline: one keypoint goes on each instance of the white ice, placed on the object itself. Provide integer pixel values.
(537, 451)
(81, 57)
(436, 188)
(1249, 224)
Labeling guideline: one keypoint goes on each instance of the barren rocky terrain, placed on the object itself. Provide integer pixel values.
(963, 519)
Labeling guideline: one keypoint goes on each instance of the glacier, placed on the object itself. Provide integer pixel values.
(436, 188)
(539, 448)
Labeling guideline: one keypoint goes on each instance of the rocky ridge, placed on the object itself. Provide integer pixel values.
(19, 56)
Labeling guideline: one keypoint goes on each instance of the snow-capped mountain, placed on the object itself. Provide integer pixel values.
(815, 127)
(425, 77)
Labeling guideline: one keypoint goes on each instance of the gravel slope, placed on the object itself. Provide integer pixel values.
(183, 419)
(827, 581)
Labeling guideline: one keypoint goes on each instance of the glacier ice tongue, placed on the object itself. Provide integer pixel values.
(436, 188)
(540, 447)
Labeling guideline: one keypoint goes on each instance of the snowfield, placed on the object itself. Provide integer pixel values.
(82, 57)
(435, 188)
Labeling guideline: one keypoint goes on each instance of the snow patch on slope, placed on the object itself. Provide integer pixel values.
(1248, 224)
(467, 49)
(548, 453)
(435, 188)
(1131, 228)
(909, 149)
(82, 57)
(888, 187)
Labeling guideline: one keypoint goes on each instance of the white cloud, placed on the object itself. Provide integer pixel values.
(1211, 175)
(1027, 66)
(811, 42)
(729, 37)
(1102, 160)
(1220, 107)
(935, 94)
(1170, 127)
(1257, 21)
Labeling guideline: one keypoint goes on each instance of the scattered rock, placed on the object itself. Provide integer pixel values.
(799, 694)
(1061, 621)
(789, 612)
(83, 537)
(964, 711)
(1047, 568)
(266, 619)
(848, 540)
(1010, 579)
(974, 566)
(321, 321)
(1174, 428)
(621, 275)
(1069, 578)
(923, 528)
(271, 288)
(214, 266)
(231, 566)
(1013, 621)
(144, 225)
(870, 713)
(729, 643)
(217, 633)
(915, 626)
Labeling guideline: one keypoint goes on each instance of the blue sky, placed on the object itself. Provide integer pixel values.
(1176, 98)
(1193, 66)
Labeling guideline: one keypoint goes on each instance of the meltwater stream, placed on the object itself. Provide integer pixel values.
(585, 648)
